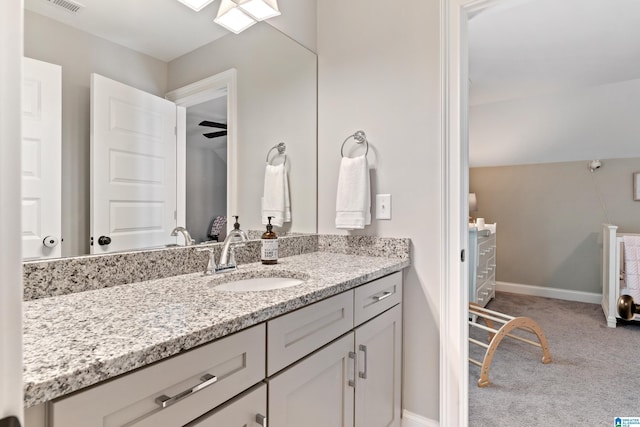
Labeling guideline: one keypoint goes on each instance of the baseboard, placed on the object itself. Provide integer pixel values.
(539, 291)
(410, 419)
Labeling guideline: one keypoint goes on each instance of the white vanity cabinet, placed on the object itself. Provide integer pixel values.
(247, 410)
(237, 362)
(355, 380)
(333, 363)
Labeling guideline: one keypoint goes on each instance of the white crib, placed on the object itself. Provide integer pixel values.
(613, 272)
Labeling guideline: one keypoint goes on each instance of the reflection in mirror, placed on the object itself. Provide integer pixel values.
(276, 102)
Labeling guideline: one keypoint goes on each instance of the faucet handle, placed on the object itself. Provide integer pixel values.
(211, 265)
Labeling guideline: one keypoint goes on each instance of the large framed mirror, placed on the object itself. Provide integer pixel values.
(276, 101)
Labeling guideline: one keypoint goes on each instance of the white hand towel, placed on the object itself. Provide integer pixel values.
(353, 200)
(275, 200)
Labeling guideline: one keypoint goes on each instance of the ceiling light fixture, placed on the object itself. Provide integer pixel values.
(260, 9)
(236, 16)
(196, 5)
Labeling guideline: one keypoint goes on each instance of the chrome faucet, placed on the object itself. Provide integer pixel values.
(188, 241)
(227, 257)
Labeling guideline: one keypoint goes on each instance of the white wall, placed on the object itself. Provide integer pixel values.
(81, 54)
(379, 72)
(579, 124)
(277, 99)
(11, 399)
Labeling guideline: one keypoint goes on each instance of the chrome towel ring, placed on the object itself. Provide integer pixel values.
(360, 138)
(281, 147)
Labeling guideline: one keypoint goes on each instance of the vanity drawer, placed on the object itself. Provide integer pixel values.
(238, 362)
(377, 296)
(297, 334)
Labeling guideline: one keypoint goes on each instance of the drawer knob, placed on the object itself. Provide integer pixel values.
(206, 380)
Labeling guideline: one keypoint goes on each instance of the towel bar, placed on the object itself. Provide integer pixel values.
(281, 147)
(360, 138)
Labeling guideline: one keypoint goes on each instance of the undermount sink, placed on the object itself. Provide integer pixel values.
(259, 284)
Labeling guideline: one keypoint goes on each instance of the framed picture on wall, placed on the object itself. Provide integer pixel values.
(636, 186)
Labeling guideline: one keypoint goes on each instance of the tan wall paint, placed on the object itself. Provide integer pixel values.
(379, 72)
(549, 218)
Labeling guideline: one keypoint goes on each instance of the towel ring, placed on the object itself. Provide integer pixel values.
(360, 138)
(281, 147)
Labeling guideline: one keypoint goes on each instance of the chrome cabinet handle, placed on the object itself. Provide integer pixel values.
(207, 380)
(363, 375)
(262, 420)
(385, 295)
(354, 357)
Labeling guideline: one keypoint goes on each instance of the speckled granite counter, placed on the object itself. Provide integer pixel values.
(77, 340)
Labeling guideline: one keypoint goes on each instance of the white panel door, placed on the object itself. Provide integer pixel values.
(41, 159)
(133, 167)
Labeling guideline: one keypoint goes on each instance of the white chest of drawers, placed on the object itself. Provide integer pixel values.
(482, 266)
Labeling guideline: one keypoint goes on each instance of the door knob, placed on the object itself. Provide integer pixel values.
(104, 240)
(50, 241)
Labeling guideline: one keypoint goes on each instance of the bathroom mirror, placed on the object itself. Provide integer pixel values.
(276, 102)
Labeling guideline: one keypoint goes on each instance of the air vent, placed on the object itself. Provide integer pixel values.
(70, 6)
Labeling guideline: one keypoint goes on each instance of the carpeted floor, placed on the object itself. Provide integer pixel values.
(594, 376)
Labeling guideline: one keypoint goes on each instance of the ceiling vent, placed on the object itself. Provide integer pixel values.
(70, 6)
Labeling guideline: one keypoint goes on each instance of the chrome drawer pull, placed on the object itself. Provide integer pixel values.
(262, 420)
(165, 401)
(385, 295)
(363, 375)
(352, 355)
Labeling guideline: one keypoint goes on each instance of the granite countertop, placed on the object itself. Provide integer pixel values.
(77, 340)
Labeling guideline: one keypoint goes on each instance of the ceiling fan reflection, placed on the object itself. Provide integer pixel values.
(214, 125)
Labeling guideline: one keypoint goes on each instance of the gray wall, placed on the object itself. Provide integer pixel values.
(382, 75)
(549, 218)
(81, 54)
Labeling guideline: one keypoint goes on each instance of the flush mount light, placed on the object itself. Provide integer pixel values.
(232, 18)
(196, 5)
(260, 9)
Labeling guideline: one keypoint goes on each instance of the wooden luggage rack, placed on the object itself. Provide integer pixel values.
(509, 323)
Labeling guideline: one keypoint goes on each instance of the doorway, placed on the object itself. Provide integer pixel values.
(206, 101)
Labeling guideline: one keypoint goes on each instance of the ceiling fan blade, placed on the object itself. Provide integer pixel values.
(215, 134)
(213, 124)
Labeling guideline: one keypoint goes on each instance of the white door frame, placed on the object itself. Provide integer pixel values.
(11, 47)
(454, 289)
(224, 83)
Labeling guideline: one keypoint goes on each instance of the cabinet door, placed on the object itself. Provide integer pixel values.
(315, 392)
(379, 347)
(243, 411)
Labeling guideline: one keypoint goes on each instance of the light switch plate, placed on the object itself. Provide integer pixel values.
(383, 206)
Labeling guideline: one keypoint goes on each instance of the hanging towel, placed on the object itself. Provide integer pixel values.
(276, 201)
(353, 201)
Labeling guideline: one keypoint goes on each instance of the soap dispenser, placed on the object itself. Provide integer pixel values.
(269, 253)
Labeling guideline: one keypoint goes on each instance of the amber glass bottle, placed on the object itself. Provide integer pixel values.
(269, 252)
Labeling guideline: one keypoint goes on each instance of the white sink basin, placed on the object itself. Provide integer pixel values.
(258, 284)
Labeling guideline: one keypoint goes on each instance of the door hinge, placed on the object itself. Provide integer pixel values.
(175, 130)
(175, 215)
(462, 255)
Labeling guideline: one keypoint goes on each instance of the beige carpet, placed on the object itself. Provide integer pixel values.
(594, 376)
